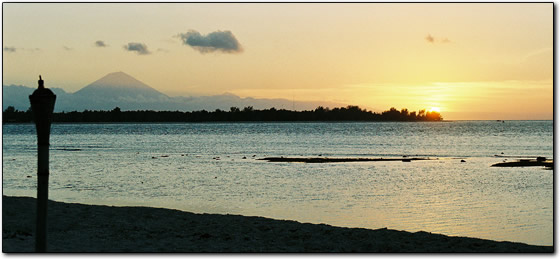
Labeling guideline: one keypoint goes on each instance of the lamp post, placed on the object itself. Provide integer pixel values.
(42, 105)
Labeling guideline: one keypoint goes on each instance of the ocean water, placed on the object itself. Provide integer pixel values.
(215, 168)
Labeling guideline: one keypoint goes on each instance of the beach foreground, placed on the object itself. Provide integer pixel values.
(91, 228)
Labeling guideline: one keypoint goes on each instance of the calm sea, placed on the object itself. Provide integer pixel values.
(214, 168)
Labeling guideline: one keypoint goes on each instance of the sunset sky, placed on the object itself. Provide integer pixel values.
(470, 60)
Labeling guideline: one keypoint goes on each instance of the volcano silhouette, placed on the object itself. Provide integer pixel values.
(120, 86)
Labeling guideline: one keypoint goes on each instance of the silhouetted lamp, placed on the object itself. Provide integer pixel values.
(42, 105)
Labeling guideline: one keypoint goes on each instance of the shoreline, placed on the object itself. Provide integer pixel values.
(74, 227)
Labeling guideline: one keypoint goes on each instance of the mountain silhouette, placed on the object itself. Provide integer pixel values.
(121, 90)
(118, 79)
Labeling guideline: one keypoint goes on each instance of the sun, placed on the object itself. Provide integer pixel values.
(435, 109)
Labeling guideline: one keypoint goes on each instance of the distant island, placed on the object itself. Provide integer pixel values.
(130, 94)
(349, 113)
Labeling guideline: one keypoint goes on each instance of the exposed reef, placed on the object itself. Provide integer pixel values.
(540, 161)
(338, 160)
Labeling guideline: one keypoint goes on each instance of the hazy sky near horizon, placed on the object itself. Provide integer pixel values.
(471, 60)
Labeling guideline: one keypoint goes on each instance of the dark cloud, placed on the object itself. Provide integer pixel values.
(100, 44)
(140, 48)
(66, 48)
(9, 49)
(223, 41)
(430, 38)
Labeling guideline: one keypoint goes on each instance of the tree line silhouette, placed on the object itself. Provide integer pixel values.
(349, 113)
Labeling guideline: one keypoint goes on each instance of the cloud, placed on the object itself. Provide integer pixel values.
(223, 41)
(9, 49)
(100, 44)
(66, 48)
(14, 49)
(430, 38)
(140, 48)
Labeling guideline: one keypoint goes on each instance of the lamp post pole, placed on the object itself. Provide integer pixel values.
(42, 104)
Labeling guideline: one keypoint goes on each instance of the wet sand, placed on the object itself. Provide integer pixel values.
(91, 228)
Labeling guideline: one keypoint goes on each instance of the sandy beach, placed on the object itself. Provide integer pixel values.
(90, 228)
